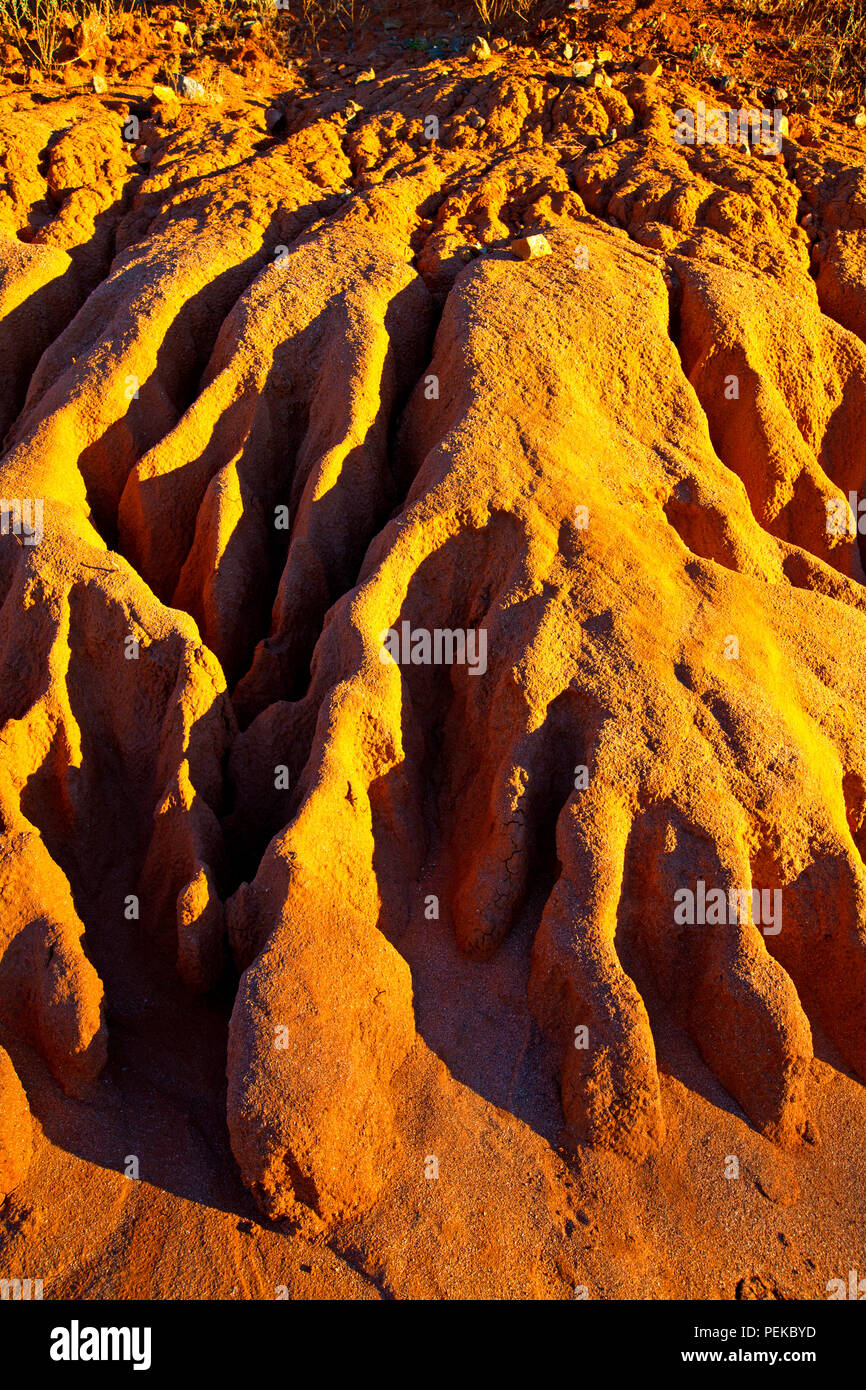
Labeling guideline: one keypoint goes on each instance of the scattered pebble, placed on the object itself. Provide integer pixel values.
(368, 75)
(650, 67)
(100, 86)
(189, 88)
(479, 48)
(475, 120)
(166, 95)
(529, 248)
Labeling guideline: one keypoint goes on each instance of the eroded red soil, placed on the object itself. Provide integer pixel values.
(296, 940)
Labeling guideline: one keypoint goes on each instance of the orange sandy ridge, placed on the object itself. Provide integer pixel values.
(328, 973)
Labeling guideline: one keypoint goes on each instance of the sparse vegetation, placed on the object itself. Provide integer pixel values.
(38, 24)
(826, 38)
(38, 18)
(496, 12)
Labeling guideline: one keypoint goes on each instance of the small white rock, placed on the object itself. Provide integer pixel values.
(189, 88)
